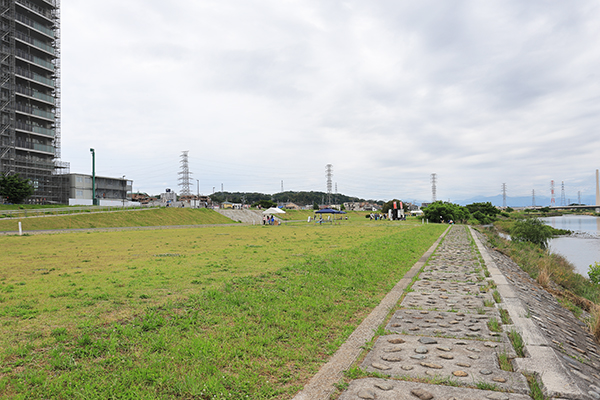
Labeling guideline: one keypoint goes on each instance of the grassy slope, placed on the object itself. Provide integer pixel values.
(249, 311)
(150, 217)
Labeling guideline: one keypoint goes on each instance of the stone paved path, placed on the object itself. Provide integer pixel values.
(446, 339)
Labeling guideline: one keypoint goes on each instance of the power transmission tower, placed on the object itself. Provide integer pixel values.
(579, 197)
(563, 201)
(552, 201)
(504, 195)
(336, 193)
(184, 179)
(282, 186)
(433, 188)
(533, 197)
(329, 175)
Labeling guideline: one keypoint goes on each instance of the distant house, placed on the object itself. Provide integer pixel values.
(226, 204)
(292, 206)
(362, 206)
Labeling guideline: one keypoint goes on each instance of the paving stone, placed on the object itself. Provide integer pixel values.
(366, 394)
(421, 394)
(380, 366)
(431, 365)
(384, 386)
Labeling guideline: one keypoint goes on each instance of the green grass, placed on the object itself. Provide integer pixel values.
(504, 361)
(517, 342)
(534, 386)
(118, 315)
(494, 325)
(496, 296)
(504, 316)
(127, 218)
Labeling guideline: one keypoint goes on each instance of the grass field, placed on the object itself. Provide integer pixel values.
(218, 312)
(141, 217)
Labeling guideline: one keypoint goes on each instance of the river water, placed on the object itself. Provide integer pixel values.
(583, 248)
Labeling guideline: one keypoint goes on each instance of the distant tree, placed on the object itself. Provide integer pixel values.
(531, 230)
(438, 211)
(509, 209)
(265, 204)
(485, 208)
(315, 206)
(15, 189)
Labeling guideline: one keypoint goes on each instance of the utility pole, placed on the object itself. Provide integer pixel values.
(124, 190)
(94, 200)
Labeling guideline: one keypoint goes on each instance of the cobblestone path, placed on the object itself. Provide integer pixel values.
(448, 337)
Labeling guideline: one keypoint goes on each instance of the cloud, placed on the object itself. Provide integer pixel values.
(482, 93)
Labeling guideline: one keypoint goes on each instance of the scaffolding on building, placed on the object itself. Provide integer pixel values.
(30, 137)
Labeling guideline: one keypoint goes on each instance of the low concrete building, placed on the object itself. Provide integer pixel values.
(109, 191)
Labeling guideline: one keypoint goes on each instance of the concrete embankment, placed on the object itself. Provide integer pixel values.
(450, 336)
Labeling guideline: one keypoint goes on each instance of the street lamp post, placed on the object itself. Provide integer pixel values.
(94, 200)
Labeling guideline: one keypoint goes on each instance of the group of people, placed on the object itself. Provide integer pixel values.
(377, 217)
(268, 220)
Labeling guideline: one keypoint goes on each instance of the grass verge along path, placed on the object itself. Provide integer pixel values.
(141, 328)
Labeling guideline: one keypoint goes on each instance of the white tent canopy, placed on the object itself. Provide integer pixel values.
(273, 210)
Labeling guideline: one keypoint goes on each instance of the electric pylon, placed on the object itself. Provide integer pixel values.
(184, 179)
(329, 175)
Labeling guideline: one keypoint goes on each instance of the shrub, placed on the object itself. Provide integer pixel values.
(594, 272)
(531, 230)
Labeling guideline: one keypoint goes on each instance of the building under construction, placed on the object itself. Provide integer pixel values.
(30, 98)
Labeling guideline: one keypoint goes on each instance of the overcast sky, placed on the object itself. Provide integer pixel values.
(262, 91)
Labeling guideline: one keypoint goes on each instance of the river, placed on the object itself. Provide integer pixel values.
(581, 249)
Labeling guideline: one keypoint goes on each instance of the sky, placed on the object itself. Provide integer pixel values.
(266, 93)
